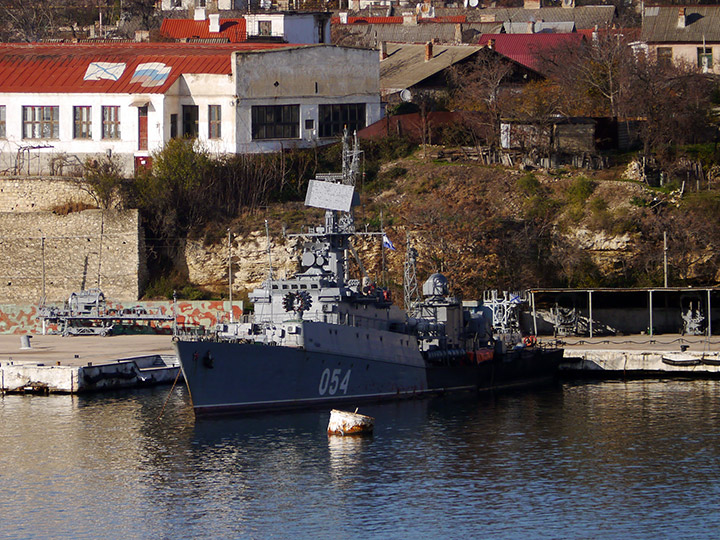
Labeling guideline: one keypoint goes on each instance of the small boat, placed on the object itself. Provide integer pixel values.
(680, 359)
(349, 423)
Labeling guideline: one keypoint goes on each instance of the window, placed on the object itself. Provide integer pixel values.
(190, 121)
(309, 123)
(173, 126)
(2, 122)
(111, 122)
(176, 3)
(265, 28)
(41, 122)
(200, 3)
(276, 122)
(704, 55)
(215, 120)
(664, 56)
(82, 124)
(334, 118)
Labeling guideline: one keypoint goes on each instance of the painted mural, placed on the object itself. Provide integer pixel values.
(190, 316)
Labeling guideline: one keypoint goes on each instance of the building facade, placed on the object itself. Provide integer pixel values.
(63, 104)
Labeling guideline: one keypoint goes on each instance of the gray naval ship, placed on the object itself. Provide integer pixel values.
(320, 338)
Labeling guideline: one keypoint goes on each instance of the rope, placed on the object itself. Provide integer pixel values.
(169, 394)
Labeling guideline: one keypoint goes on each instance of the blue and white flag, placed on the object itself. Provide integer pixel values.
(387, 243)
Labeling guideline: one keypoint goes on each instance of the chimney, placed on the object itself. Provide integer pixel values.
(343, 17)
(491, 44)
(531, 27)
(681, 17)
(458, 33)
(383, 50)
(428, 51)
(214, 19)
(532, 4)
(199, 14)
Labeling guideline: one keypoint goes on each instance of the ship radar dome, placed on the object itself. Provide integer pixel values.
(436, 285)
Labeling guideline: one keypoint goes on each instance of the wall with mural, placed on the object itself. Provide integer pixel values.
(189, 316)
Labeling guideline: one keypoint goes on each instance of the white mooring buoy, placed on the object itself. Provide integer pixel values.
(349, 423)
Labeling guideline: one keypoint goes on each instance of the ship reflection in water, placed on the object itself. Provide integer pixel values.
(591, 460)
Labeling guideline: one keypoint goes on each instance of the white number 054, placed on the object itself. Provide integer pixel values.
(330, 382)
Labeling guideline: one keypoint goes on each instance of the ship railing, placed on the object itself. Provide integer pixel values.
(345, 319)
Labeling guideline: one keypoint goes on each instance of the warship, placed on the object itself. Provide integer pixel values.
(320, 338)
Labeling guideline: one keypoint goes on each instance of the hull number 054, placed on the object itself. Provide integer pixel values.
(332, 382)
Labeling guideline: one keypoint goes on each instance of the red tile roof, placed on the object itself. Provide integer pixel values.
(526, 49)
(232, 29)
(145, 68)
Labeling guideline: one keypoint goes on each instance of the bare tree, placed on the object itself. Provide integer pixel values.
(479, 86)
(26, 21)
(594, 70)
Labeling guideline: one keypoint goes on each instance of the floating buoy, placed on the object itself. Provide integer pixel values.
(349, 423)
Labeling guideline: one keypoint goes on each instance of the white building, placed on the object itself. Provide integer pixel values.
(62, 104)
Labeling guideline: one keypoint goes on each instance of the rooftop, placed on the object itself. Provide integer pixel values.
(406, 66)
(233, 30)
(147, 68)
(660, 24)
(526, 49)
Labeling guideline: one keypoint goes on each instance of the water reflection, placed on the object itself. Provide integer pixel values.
(599, 460)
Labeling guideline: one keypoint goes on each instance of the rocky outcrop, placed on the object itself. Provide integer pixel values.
(208, 265)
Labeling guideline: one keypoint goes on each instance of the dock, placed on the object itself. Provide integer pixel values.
(669, 355)
(73, 365)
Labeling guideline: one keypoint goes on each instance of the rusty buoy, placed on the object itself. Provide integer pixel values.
(349, 423)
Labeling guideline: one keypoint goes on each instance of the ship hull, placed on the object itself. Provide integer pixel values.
(226, 377)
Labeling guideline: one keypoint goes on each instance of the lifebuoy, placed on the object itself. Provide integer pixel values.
(529, 341)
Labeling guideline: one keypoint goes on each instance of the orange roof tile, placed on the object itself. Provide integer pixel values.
(146, 68)
(232, 29)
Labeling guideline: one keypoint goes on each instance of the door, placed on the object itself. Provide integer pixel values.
(190, 121)
(143, 128)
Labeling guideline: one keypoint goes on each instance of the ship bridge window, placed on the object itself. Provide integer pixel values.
(303, 286)
(284, 286)
(313, 286)
(293, 286)
(274, 286)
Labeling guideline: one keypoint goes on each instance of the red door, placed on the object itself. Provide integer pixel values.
(142, 128)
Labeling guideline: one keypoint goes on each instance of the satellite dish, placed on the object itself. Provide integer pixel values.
(473, 3)
(406, 95)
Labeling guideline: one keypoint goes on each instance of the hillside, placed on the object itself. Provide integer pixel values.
(492, 227)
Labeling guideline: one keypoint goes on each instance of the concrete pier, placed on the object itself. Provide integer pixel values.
(642, 356)
(55, 364)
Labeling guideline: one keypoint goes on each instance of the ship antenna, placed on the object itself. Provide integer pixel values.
(412, 293)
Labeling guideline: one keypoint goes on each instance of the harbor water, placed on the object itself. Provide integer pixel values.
(627, 460)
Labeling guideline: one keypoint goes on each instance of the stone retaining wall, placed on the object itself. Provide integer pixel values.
(55, 255)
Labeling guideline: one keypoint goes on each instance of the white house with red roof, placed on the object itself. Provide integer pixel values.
(286, 27)
(61, 104)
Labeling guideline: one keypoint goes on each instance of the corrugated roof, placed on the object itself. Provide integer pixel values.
(146, 68)
(405, 65)
(422, 33)
(540, 27)
(525, 49)
(660, 24)
(232, 29)
(582, 16)
(452, 19)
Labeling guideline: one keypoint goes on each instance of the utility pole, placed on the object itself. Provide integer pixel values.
(665, 250)
(230, 273)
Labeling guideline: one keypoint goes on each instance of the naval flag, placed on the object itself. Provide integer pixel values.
(387, 243)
